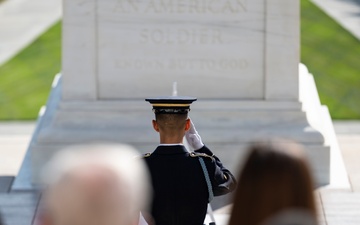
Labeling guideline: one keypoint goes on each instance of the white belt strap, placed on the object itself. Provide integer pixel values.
(207, 179)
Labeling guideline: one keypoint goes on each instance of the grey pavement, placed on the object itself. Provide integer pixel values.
(348, 134)
(345, 12)
(14, 139)
(22, 21)
(342, 207)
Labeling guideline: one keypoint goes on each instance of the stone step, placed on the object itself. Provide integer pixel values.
(18, 208)
(5, 183)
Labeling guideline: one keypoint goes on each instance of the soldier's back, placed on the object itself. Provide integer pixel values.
(180, 189)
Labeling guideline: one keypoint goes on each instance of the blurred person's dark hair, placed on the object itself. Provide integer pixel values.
(291, 217)
(275, 177)
(95, 184)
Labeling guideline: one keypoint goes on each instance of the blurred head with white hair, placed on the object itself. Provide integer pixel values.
(95, 184)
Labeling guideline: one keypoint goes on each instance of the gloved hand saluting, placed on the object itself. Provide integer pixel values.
(193, 137)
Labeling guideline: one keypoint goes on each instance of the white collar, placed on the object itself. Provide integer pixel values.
(170, 144)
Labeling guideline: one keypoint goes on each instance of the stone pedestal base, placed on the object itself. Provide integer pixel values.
(226, 126)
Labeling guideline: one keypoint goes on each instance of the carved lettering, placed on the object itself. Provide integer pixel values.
(180, 36)
(126, 6)
(183, 64)
(152, 7)
(140, 64)
(196, 7)
(181, 6)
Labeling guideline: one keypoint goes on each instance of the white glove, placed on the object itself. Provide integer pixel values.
(193, 137)
(142, 220)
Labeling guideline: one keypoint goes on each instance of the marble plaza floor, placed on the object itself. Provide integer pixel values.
(342, 207)
(22, 21)
(336, 206)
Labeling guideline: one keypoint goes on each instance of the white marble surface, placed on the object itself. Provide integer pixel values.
(234, 49)
(14, 140)
(210, 54)
(282, 50)
(226, 126)
(79, 50)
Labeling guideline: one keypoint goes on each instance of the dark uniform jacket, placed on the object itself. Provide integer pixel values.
(180, 189)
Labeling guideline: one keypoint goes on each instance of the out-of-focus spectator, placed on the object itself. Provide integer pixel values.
(274, 179)
(92, 185)
(292, 217)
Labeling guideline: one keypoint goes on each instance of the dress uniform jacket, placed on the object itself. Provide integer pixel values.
(180, 189)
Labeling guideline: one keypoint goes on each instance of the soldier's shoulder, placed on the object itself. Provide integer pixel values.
(142, 156)
(146, 155)
(202, 155)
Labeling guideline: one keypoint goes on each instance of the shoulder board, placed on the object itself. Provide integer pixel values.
(198, 154)
(146, 155)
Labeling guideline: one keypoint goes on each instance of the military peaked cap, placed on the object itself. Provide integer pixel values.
(171, 104)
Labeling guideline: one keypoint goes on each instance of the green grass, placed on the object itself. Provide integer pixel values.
(333, 56)
(330, 52)
(25, 80)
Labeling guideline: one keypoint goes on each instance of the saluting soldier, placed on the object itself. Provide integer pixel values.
(184, 182)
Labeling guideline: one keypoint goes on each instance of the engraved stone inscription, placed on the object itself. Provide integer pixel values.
(181, 6)
(180, 36)
(149, 44)
(181, 64)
